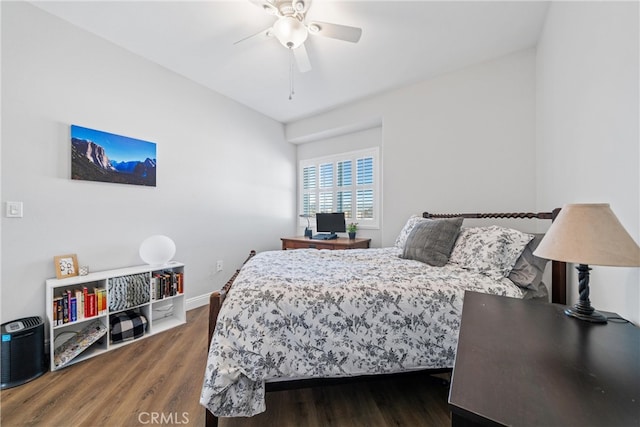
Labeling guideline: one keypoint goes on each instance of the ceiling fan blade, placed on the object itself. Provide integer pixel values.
(265, 34)
(335, 31)
(267, 6)
(302, 58)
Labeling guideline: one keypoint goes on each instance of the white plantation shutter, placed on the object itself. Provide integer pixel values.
(346, 183)
(344, 204)
(365, 171)
(309, 205)
(364, 204)
(309, 177)
(364, 192)
(344, 180)
(326, 202)
(326, 175)
(344, 173)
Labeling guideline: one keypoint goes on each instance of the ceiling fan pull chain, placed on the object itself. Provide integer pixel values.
(291, 92)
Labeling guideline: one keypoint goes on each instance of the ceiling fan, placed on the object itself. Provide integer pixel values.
(291, 30)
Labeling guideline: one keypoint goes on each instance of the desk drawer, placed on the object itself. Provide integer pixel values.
(310, 244)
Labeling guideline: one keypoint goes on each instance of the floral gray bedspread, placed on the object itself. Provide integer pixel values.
(320, 313)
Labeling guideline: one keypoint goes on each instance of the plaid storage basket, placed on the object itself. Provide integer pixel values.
(127, 326)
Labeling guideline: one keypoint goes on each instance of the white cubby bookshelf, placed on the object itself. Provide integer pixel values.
(90, 336)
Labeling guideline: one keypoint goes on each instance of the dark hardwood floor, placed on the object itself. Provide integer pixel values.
(157, 381)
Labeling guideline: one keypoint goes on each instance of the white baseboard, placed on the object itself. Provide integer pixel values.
(198, 301)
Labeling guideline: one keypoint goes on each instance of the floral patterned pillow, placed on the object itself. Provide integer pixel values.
(401, 240)
(492, 250)
(528, 270)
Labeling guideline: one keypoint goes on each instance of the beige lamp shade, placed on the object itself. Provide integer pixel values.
(589, 234)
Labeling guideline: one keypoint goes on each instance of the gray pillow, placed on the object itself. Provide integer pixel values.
(540, 294)
(431, 241)
(528, 269)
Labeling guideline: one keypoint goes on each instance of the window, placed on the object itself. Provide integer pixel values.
(346, 183)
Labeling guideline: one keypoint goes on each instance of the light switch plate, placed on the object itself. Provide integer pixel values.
(14, 209)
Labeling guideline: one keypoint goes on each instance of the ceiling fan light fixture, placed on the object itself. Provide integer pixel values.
(290, 32)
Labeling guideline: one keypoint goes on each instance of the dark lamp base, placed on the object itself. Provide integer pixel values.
(592, 316)
(583, 310)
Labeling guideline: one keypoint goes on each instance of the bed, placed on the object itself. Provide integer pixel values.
(290, 317)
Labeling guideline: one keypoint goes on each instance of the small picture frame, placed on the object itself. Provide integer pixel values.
(66, 265)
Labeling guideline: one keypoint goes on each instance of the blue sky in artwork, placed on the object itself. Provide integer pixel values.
(118, 148)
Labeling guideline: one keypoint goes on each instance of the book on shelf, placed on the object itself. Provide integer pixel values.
(105, 305)
(101, 300)
(166, 284)
(91, 299)
(154, 284)
(79, 304)
(65, 309)
(73, 309)
(180, 283)
(98, 298)
(57, 311)
(85, 297)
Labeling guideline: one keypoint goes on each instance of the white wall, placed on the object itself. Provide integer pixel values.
(226, 174)
(464, 141)
(587, 127)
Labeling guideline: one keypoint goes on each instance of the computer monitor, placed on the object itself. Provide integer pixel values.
(330, 222)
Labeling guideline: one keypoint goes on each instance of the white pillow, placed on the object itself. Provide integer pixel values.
(401, 240)
(492, 250)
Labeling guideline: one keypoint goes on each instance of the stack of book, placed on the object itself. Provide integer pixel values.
(79, 304)
(166, 284)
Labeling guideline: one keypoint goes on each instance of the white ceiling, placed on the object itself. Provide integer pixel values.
(402, 42)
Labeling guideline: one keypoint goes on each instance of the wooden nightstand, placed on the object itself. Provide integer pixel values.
(527, 363)
(339, 243)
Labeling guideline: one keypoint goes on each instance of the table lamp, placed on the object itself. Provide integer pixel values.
(588, 234)
(307, 231)
(157, 250)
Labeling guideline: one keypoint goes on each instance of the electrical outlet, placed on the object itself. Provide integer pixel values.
(219, 265)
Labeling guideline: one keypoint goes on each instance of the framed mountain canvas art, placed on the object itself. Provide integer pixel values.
(106, 157)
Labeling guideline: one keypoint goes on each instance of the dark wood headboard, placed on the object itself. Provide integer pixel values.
(558, 269)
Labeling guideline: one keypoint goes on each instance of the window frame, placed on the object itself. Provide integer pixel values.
(335, 159)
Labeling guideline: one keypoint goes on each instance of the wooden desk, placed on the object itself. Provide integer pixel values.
(526, 363)
(339, 243)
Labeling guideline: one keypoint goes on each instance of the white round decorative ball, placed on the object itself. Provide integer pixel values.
(157, 250)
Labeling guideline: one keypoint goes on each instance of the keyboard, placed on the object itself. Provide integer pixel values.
(325, 236)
